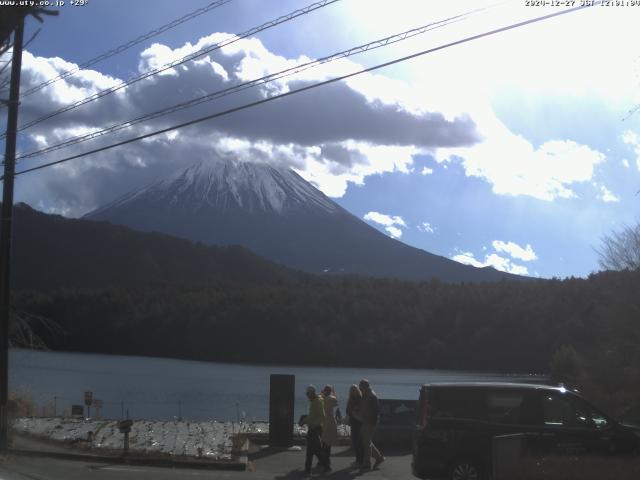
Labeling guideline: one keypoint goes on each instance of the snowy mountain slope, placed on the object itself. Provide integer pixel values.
(280, 216)
(252, 187)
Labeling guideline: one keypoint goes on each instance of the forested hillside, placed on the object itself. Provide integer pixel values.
(586, 331)
(51, 251)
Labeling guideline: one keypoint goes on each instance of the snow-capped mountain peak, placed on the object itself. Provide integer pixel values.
(231, 184)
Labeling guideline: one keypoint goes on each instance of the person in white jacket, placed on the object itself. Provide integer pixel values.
(330, 426)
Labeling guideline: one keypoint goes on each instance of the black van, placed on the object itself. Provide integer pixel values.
(458, 421)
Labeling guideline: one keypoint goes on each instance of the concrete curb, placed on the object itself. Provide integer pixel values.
(263, 439)
(237, 465)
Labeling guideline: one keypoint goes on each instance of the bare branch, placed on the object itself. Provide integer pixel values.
(621, 250)
(23, 327)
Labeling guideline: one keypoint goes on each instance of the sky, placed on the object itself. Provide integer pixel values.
(518, 150)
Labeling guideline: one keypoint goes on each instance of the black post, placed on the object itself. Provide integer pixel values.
(126, 444)
(281, 404)
(5, 231)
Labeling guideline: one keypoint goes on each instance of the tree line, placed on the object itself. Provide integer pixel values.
(583, 331)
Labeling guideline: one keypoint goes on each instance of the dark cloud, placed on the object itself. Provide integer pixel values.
(342, 156)
(329, 114)
(336, 112)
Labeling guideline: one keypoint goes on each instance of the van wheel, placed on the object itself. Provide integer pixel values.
(465, 469)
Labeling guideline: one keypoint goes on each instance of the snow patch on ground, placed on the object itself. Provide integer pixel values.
(210, 440)
(213, 440)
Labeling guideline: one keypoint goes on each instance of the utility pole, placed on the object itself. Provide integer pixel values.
(5, 231)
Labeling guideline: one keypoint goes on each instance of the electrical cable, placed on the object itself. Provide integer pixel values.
(310, 87)
(175, 63)
(259, 81)
(128, 45)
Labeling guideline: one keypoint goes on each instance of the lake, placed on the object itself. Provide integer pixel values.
(165, 389)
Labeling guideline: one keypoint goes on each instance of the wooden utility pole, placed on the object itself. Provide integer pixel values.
(5, 231)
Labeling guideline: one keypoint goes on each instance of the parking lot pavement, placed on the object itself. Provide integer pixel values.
(285, 465)
(265, 464)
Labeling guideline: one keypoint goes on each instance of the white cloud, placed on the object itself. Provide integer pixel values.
(391, 223)
(632, 139)
(515, 251)
(513, 166)
(426, 227)
(554, 166)
(625, 163)
(426, 171)
(607, 196)
(491, 260)
(331, 170)
(505, 265)
(76, 87)
(499, 262)
(468, 259)
(386, 220)
(395, 232)
(538, 40)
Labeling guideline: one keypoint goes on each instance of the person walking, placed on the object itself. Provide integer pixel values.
(354, 420)
(369, 413)
(314, 421)
(330, 426)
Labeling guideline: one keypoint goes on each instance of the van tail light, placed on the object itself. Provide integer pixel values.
(424, 411)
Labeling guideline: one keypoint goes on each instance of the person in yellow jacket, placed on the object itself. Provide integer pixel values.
(314, 421)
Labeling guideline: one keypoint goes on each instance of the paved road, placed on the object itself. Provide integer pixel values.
(265, 464)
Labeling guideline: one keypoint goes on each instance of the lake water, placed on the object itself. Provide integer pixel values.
(164, 389)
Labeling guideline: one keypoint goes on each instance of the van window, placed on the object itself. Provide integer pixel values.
(466, 403)
(564, 411)
(504, 406)
(514, 407)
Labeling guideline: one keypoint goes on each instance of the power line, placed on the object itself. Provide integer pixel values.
(128, 45)
(309, 87)
(175, 63)
(259, 81)
(4, 84)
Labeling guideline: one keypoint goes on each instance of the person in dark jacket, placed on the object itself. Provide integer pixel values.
(355, 422)
(369, 414)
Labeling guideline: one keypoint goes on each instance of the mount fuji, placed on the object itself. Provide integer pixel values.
(280, 216)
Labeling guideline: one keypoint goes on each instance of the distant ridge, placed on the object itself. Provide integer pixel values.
(280, 216)
(50, 251)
